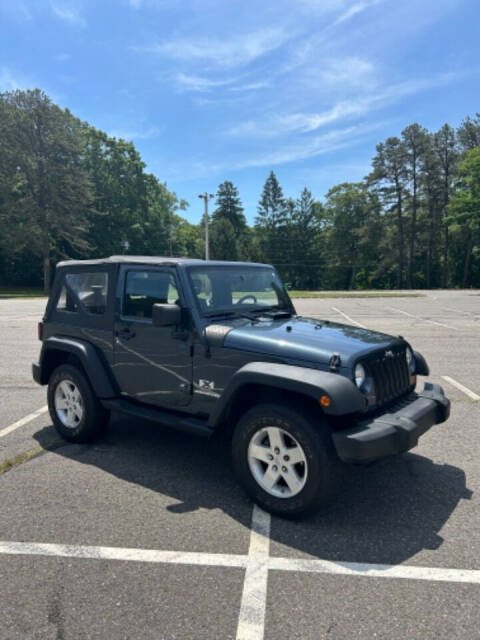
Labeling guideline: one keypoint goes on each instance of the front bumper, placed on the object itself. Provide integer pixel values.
(395, 431)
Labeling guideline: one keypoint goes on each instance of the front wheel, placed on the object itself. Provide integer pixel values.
(285, 460)
(75, 410)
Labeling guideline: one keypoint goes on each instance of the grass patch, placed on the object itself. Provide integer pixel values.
(354, 294)
(20, 459)
(21, 293)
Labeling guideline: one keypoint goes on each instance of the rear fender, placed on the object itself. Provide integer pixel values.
(91, 361)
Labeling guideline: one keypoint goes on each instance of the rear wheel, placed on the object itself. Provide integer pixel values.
(75, 410)
(285, 460)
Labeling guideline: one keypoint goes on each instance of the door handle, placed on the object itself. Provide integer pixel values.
(125, 333)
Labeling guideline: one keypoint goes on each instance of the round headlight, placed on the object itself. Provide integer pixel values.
(359, 375)
(410, 360)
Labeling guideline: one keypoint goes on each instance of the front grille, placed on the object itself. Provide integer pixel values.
(390, 374)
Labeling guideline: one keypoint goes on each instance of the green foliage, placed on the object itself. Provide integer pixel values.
(353, 233)
(464, 209)
(69, 190)
(228, 230)
(46, 192)
(271, 221)
(469, 133)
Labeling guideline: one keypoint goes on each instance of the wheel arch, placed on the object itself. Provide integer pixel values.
(253, 394)
(262, 381)
(58, 350)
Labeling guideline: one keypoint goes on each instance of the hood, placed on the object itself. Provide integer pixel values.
(305, 339)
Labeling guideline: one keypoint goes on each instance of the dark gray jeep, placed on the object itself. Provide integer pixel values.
(202, 346)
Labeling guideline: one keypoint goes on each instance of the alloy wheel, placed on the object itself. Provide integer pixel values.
(68, 404)
(277, 462)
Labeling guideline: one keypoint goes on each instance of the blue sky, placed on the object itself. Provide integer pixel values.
(211, 90)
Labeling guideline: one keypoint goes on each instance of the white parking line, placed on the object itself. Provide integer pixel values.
(440, 324)
(23, 421)
(251, 621)
(467, 313)
(401, 571)
(366, 570)
(468, 392)
(348, 318)
(118, 553)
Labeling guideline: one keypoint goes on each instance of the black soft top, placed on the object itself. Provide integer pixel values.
(157, 260)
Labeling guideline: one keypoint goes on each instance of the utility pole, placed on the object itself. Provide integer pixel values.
(206, 197)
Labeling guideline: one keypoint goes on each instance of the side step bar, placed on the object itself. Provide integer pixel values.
(182, 423)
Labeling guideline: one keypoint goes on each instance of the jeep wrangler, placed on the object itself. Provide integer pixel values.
(207, 346)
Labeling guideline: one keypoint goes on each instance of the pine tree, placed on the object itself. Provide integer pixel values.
(303, 240)
(414, 138)
(271, 221)
(445, 146)
(229, 206)
(468, 133)
(431, 187)
(389, 177)
(464, 209)
(229, 226)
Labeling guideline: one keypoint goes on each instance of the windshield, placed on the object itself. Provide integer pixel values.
(229, 290)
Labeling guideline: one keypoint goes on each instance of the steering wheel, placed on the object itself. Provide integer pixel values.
(249, 295)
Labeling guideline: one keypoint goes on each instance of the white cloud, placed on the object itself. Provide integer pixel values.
(135, 134)
(350, 71)
(202, 84)
(347, 8)
(354, 10)
(251, 86)
(309, 148)
(323, 6)
(189, 82)
(19, 10)
(69, 13)
(278, 124)
(10, 81)
(227, 53)
(62, 57)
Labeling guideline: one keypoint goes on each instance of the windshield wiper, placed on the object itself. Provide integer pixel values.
(274, 312)
(232, 314)
(218, 314)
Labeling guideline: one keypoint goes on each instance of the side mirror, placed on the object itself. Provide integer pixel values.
(164, 315)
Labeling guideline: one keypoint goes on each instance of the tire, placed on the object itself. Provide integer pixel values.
(314, 468)
(76, 412)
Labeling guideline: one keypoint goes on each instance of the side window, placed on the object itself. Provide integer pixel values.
(143, 289)
(66, 301)
(89, 288)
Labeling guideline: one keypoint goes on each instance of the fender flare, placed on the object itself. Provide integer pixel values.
(344, 395)
(421, 366)
(90, 359)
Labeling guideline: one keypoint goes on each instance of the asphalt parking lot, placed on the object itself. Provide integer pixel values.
(146, 534)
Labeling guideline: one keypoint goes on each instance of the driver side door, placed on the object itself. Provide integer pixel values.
(152, 364)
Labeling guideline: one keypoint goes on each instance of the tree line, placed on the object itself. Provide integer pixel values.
(70, 190)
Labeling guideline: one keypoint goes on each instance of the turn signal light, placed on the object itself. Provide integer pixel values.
(325, 401)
